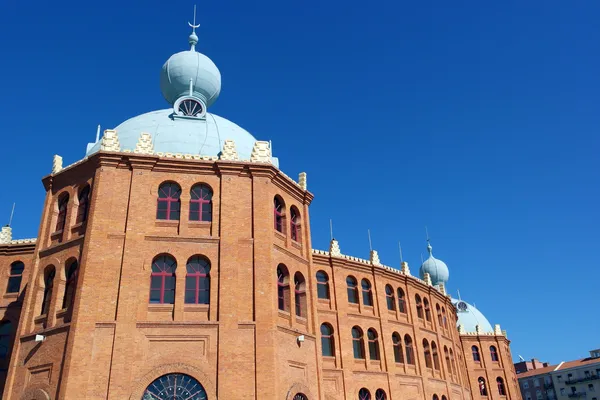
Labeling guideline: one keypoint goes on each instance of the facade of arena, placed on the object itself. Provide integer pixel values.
(174, 261)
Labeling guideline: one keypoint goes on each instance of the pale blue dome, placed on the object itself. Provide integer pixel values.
(469, 317)
(437, 269)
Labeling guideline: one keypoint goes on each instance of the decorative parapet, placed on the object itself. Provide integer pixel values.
(478, 330)
(144, 144)
(497, 330)
(302, 180)
(375, 258)
(404, 268)
(6, 235)
(229, 153)
(57, 164)
(110, 141)
(461, 329)
(442, 288)
(261, 152)
(427, 279)
(334, 249)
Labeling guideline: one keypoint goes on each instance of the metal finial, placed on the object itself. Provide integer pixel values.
(400, 248)
(11, 215)
(331, 228)
(429, 248)
(458, 294)
(193, 39)
(370, 244)
(97, 134)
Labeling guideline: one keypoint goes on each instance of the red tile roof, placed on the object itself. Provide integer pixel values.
(559, 367)
(538, 371)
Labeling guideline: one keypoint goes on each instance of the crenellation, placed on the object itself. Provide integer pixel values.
(229, 153)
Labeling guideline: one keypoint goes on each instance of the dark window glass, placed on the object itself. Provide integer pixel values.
(373, 344)
(493, 353)
(278, 208)
(352, 290)
(61, 220)
(15, 277)
(327, 340)
(322, 285)
(48, 287)
(84, 204)
(366, 292)
(397, 342)
(475, 351)
(364, 394)
(5, 336)
(380, 395)
(197, 281)
(168, 201)
(419, 306)
(162, 280)
(294, 224)
(408, 346)
(401, 301)
(357, 343)
(389, 297)
(482, 386)
(283, 288)
(70, 285)
(201, 203)
(300, 294)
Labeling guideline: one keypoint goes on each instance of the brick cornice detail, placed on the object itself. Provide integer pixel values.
(190, 239)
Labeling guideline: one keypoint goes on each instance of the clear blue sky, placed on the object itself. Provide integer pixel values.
(477, 119)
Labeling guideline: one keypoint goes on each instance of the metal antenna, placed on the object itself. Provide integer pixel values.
(331, 228)
(98, 134)
(400, 248)
(458, 294)
(427, 233)
(421, 258)
(11, 214)
(370, 244)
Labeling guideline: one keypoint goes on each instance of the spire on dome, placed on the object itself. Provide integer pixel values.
(437, 269)
(193, 38)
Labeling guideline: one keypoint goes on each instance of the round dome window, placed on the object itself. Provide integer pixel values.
(190, 108)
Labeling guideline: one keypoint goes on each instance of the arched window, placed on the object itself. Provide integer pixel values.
(169, 206)
(175, 387)
(448, 363)
(398, 353)
(327, 344)
(84, 204)
(278, 211)
(364, 394)
(300, 294)
(201, 202)
(475, 351)
(389, 297)
(197, 281)
(300, 396)
(358, 343)
(295, 224)
(380, 395)
(436, 356)
(427, 310)
(482, 386)
(61, 220)
(283, 288)
(366, 292)
(352, 289)
(401, 301)
(494, 353)
(435, 397)
(408, 346)
(48, 287)
(5, 336)
(438, 311)
(444, 397)
(162, 280)
(444, 319)
(453, 362)
(419, 306)
(15, 277)
(72, 272)
(501, 388)
(427, 352)
(373, 344)
(322, 285)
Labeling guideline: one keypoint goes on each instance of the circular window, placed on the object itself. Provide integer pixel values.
(175, 387)
(461, 306)
(190, 108)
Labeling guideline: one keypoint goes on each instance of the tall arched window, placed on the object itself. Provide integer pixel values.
(444, 397)
(169, 206)
(366, 292)
(197, 281)
(427, 310)
(436, 356)
(419, 306)
(482, 386)
(398, 353)
(389, 298)
(322, 285)
(48, 287)
(364, 394)
(5, 336)
(501, 388)
(283, 288)
(358, 343)
(295, 224)
(201, 202)
(373, 344)
(475, 351)
(494, 353)
(408, 347)
(162, 280)
(61, 220)
(70, 286)
(435, 397)
(181, 385)
(427, 353)
(447, 357)
(438, 311)
(380, 395)
(327, 343)
(15, 277)
(300, 294)
(401, 301)
(84, 204)
(444, 320)
(352, 289)
(278, 211)
(453, 361)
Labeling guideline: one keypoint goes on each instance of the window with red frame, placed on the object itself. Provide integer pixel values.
(366, 292)
(482, 386)
(401, 301)
(197, 281)
(169, 207)
(162, 280)
(322, 285)
(427, 309)
(278, 210)
(358, 343)
(61, 220)
(389, 298)
(300, 294)
(15, 277)
(398, 353)
(364, 394)
(380, 395)
(71, 275)
(5, 336)
(327, 344)
(352, 290)
(84, 204)
(48, 287)
(501, 388)
(494, 353)
(436, 356)
(419, 306)
(295, 224)
(427, 353)
(201, 203)
(283, 288)
(373, 344)
(408, 347)
(475, 351)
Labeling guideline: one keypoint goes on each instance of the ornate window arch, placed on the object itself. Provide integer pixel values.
(358, 343)
(201, 202)
(364, 394)
(373, 344)
(494, 353)
(427, 353)
(408, 346)
(389, 298)
(397, 343)
(438, 310)
(401, 300)
(419, 304)
(49, 275)
(444, 320)
(448, 363)
(300, 294)
(327, 340)
(283, 288)
(367, 292)
(279, 214)
(352, 285)
(436, 356)
(169, 206)
(175, 387)
(380, 395)
(322, 285)
(72, 271)
(15, 277)
(61, 220)
(295, 224)
(475, 351)
(162, 279)
(427, 309)
(501, 387)
(197, 280)
(84, 204)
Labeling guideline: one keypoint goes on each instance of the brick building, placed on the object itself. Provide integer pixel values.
(174, 262)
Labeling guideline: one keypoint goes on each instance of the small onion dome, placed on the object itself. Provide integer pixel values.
(437, 269)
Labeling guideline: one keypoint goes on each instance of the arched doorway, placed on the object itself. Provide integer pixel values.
(175, 387)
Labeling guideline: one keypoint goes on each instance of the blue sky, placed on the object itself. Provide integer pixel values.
(477, 119)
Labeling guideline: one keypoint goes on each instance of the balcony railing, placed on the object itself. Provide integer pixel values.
(591, 377)
(577, 394)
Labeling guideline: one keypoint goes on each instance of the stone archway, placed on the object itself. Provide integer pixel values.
(142, 383)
